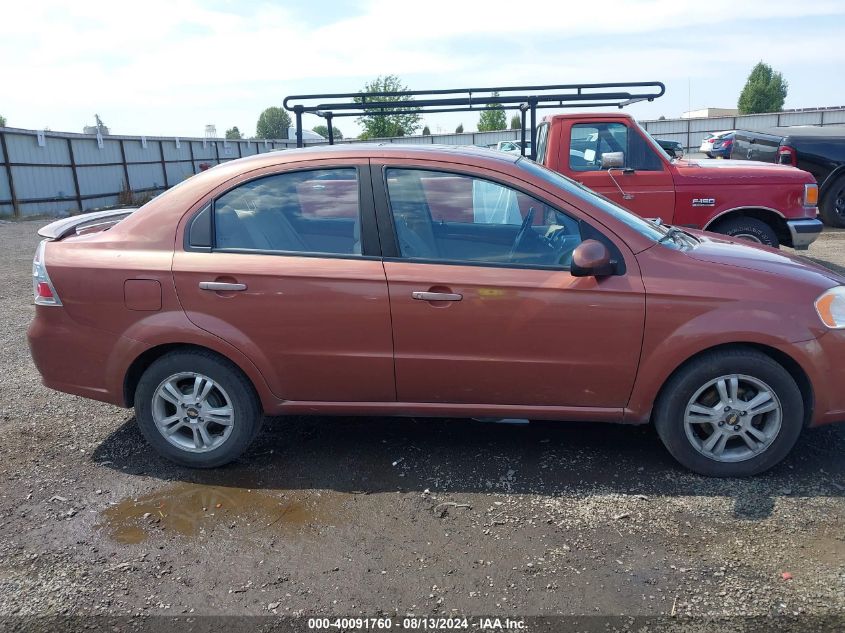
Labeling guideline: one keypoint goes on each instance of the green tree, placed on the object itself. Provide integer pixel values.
(516, 122)
(426, 131)
(378, 125)
(233, 133)
(493, 118)
(273, 123)
(2, 121)
(323, 130)
(765, 91)
(459, 129)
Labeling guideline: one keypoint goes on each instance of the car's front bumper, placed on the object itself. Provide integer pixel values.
(804, 232)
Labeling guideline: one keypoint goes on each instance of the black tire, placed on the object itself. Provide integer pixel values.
(750, 229)
(682, 386)
(832, 208)
(246, 419)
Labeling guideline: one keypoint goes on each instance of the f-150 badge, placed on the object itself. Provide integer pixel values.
(704, 202)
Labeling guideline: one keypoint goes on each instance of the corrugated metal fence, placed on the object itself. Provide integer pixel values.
(53, 173)
(691, 132)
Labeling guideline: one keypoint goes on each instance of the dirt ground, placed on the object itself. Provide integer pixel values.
(368, 516)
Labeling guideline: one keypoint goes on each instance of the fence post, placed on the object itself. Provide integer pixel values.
(217, 151)
(7, 161)
(75, 175)
(193, 161)
(125, 166)
(163, 165)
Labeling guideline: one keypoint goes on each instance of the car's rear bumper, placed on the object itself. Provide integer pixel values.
(804, 232)
(74, 358)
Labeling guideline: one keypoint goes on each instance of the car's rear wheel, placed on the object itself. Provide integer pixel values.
(197, 409)
(832, 208)
(730, 413)
(749, 229)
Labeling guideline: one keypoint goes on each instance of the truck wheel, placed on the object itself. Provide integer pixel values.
(197, 409)
(730, 413)
(750, 229)
(833, 205)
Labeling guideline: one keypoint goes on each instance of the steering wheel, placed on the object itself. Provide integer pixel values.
(523, 230)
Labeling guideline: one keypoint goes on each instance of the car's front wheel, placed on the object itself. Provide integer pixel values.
(197, 409)
(730, 413)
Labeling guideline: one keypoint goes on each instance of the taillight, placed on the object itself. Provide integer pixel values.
(787, 156)
(727, 142)
(42, 287)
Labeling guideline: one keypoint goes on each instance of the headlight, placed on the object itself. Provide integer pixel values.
(811, 195)
(831, 307)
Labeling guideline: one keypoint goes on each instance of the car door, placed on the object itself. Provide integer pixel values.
(642, 184)
(484, 308)
(286, 267)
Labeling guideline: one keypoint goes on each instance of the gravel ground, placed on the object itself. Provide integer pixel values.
(393, 516)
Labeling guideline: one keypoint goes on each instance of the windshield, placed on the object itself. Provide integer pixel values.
(644, 227)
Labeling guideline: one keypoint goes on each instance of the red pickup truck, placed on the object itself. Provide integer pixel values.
(613, 155)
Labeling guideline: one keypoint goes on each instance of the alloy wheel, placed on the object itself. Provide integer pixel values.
(193, 412)
(733, 418)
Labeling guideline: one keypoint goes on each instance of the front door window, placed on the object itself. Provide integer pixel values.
(455, 218)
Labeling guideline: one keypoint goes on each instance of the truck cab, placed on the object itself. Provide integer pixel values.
(610, 153)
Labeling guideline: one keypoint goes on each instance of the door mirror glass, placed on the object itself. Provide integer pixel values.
(610, 160)
(591, 258)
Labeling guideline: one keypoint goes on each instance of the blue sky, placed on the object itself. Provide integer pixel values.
(169, 67)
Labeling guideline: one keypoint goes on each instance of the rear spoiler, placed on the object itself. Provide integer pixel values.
(79, 223)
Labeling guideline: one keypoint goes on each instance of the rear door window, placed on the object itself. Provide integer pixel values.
(315, 211)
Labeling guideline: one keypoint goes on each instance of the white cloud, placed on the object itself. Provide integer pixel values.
(170, 66)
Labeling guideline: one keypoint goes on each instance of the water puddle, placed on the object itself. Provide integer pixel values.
(189, 509)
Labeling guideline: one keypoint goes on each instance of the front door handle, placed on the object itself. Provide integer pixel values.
(221, 286)
(436, 296)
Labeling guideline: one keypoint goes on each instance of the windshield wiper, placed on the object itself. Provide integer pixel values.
(671, 233)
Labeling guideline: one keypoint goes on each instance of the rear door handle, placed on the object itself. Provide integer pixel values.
(221, 286)
(436, 296)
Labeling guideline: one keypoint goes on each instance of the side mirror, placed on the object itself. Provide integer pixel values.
(591, 258)
(609, 160)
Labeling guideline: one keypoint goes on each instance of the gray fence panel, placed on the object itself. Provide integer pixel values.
(99, 180)
(145, 177)
(801, 118)
(87, 152)
(248, 149)
(43, 182)
(177, 172)
(5, 191)
(228, 150)
(201, 152)
(24, 148)
(756, 121)
(834, 117)
(137, 153)
(171, 152)
(50, 208)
